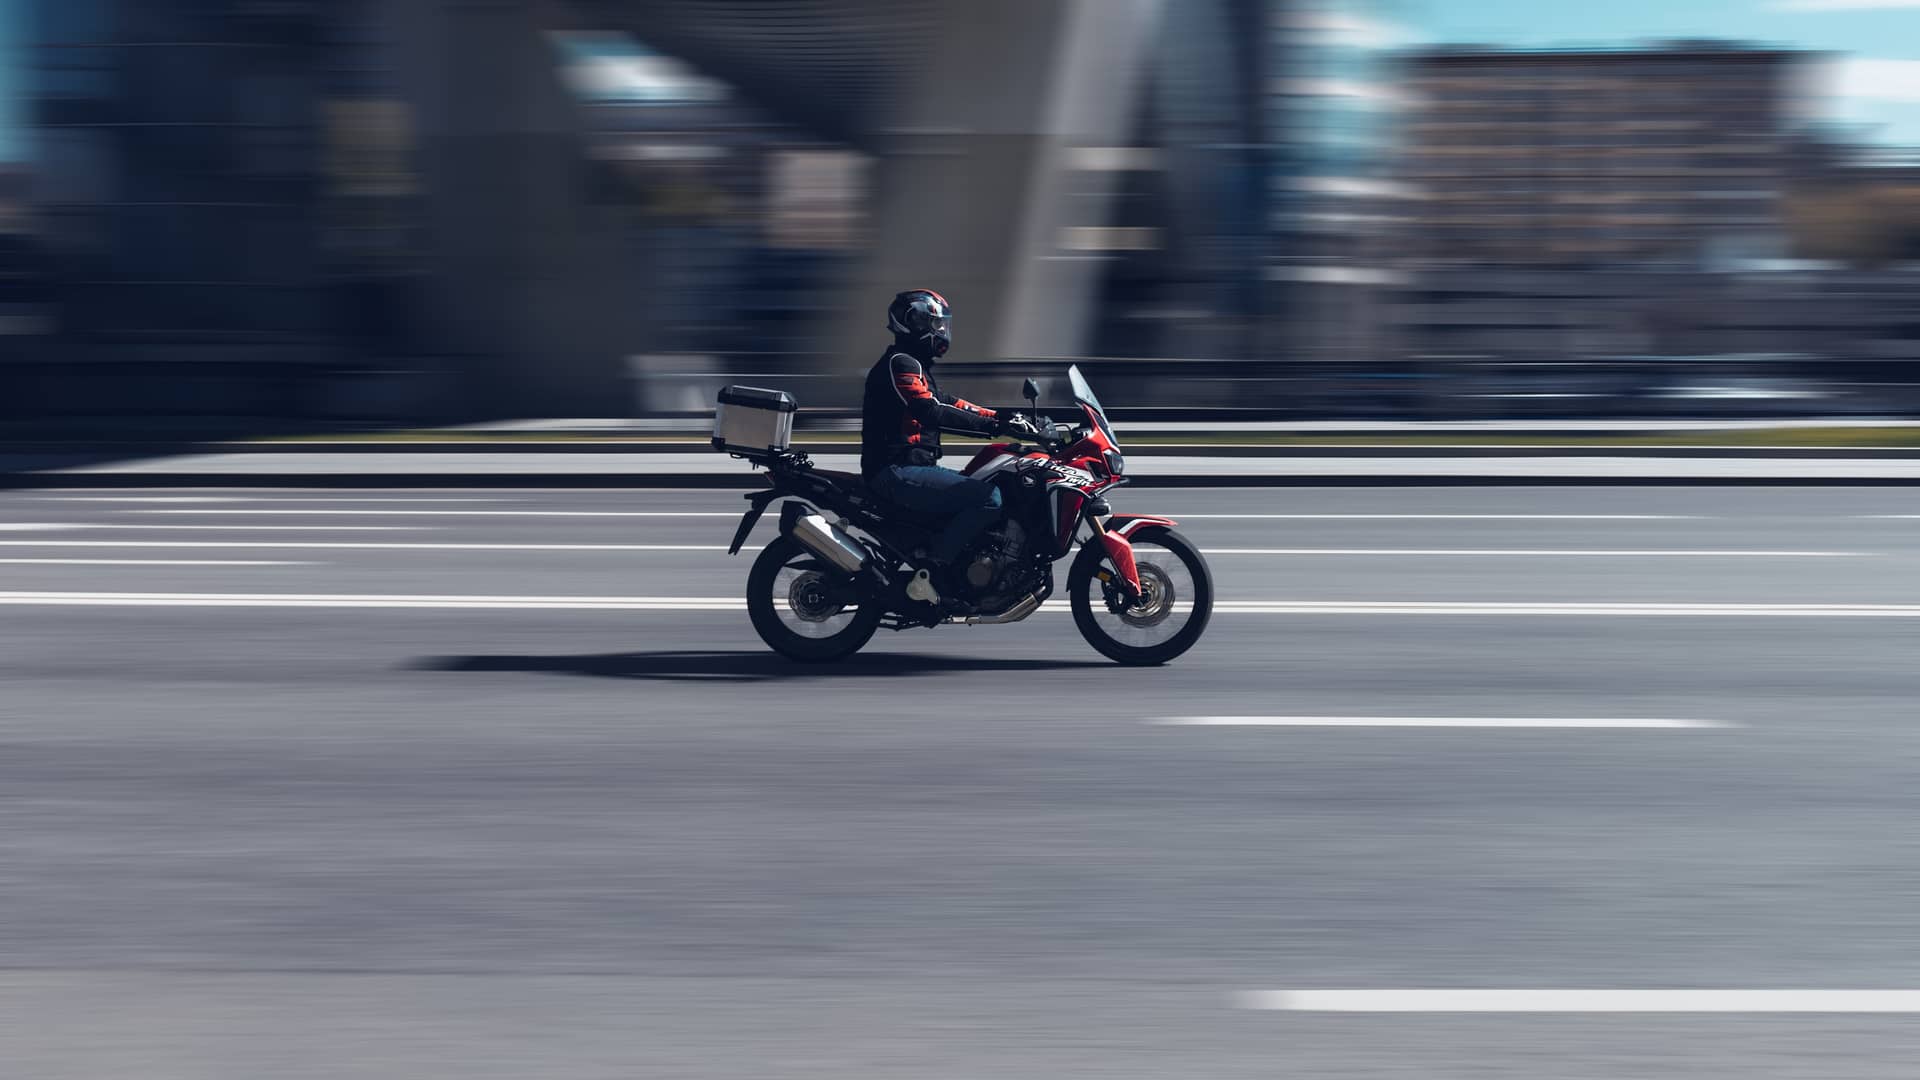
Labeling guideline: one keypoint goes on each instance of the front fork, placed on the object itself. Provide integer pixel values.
(1120, 553)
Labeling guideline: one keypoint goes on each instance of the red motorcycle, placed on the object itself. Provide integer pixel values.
(847, 562)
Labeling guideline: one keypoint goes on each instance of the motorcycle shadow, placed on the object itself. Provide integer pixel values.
(744, 666)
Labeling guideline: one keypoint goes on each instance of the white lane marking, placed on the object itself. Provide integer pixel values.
(1475, 608)
(138, 498)
(250, 498)
(737, 513)
(35, 526)
(343, 600)
(151, 562)
(1438, 722)
(1472, 609)
(355, 545)
(1586, 1001)
(259, 528)
(1596, 553)
(1435, 517)
(728, 603)
(464, 513)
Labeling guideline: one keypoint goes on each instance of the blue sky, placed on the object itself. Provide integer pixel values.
(1877, 83)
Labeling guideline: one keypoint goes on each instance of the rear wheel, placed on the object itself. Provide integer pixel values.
(1168, 617)
(805, 608)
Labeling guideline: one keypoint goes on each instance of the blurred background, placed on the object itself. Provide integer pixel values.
(289, 215)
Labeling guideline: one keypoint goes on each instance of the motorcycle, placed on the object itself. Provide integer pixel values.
(847, 562)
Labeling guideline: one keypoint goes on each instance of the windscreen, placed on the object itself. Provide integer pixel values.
(1083, 393)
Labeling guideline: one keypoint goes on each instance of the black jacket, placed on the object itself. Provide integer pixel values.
(904, 412)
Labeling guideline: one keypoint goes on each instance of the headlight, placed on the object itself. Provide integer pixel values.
(1116, 463)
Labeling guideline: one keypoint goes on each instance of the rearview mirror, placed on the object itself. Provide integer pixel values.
(1031, 391)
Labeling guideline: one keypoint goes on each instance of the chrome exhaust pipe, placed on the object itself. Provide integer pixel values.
(827, 541)
(1022, 608)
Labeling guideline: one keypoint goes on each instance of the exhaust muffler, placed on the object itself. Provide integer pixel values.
(826, 540)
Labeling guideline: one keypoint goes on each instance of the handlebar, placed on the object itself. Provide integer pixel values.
(1043, 430)
(1050, 443)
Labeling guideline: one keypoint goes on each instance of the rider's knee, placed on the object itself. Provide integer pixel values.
(992, 501)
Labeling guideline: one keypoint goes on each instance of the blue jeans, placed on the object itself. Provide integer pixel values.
(930, 489)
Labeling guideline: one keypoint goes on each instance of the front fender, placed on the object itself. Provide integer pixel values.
(1125, 525)
(1120, 554)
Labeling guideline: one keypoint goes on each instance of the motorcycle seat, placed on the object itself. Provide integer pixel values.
(851, 480)
(854, 482)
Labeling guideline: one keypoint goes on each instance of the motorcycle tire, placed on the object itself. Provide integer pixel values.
(763, 608)
(1099, 625)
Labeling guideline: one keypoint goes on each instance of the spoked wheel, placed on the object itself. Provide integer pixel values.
(1171, 613)
(807, 609)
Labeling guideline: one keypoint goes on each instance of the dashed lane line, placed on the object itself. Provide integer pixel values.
(1585, 1001)
(1644, 723)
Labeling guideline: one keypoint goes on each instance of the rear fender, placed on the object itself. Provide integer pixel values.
(758, 502)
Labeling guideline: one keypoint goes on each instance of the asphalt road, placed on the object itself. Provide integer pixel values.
(553, 812)
(475, 466)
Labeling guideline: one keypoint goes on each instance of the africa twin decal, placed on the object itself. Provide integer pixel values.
(1068, 474)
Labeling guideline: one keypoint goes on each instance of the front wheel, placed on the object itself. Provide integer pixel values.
(1175, 603)
(806, 609)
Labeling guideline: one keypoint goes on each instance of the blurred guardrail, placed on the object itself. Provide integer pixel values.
(1451, 388)
(309, 389)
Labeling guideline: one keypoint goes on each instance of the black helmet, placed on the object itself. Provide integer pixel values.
(921, 316)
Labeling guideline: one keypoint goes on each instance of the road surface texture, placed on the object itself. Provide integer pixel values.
(457, 784)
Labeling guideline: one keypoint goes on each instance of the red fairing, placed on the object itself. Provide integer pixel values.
(987, 453)
(1069, 504)
(1096, 444)
(1120, 553)
(1087, 454)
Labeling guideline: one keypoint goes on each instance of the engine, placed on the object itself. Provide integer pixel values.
(1003, 568)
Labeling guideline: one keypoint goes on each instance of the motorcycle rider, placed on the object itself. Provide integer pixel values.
(902, 416)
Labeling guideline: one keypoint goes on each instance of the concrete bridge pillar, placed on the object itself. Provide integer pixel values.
(525, 285)
(975, 176)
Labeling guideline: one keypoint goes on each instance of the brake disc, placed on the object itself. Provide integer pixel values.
(811, 599)
(1156, 598)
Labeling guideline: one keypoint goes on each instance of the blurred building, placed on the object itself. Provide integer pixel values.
(1581, 158)
(734, 224)
(1336, 217)
(254, 205)
(1171, 220)
(413, 209)
(1583, 206)
(15, 181)
(1253, 220)
(177, 155)
(23, 279)
(226, 204)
